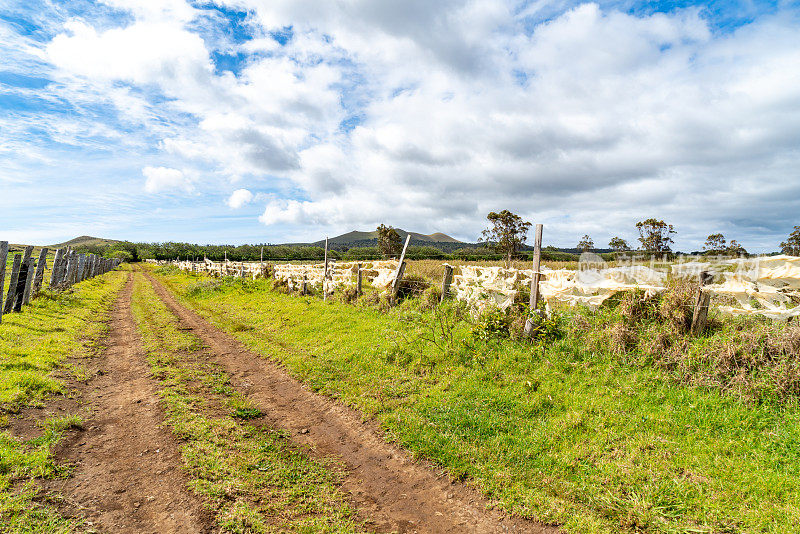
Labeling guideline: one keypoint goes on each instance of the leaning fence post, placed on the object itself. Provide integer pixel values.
(358, 280)
(12, 284)
(3, 261)
(700, 314)
(446, 281)
(533, 303)
(401, 267)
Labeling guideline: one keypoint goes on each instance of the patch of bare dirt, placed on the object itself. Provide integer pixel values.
(395, 492)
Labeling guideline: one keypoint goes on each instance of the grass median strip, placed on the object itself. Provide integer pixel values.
(33, 344)
(252, 477)
(566, 434)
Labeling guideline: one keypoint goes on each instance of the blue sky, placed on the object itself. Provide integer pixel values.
(274, 121)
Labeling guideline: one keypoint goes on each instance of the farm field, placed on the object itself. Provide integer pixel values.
(572, 434)
(255, 409)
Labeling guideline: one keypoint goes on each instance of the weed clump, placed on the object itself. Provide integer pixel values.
(203, 287)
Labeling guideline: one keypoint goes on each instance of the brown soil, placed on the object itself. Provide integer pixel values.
(395, 492)
(127, 473)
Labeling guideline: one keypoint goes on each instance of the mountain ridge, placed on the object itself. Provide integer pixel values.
(357, 236)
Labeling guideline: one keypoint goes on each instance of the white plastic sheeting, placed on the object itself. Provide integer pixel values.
(497, 286)
(768, 286)
(377, 273)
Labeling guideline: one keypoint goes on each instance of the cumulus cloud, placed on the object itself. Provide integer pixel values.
(428, 115)
(158, 179)
(239, 198)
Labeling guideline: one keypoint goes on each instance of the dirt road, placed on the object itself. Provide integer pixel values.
(127, 467)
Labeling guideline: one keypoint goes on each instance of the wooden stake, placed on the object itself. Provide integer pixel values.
(700, 315)
(446, 281)
(533, 303)
(358, 280)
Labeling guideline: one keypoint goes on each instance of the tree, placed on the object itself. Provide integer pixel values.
(585, 244)
(735, 249)
(792, 244)
(715, 243)
(507, 234)
(388, 241)
(618, 244)
(655, 236)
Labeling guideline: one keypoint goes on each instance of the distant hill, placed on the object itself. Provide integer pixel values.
(355, 236)
(85, 240)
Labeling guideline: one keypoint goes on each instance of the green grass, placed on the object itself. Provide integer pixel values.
(569, 434)
(32, 345)
(251, 476)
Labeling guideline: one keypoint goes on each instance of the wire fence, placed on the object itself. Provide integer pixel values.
(22, 277)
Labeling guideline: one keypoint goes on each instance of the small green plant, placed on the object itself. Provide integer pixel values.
(247, 413)
(493, 323)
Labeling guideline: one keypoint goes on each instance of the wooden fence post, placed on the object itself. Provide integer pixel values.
(446, 281)
(56, 267)
(41, 265)
(81, 266)
(533, 303)
(325, 272)
(358, 280)
(25, 298)
(12, 284)
(401, 267)
(69, 277)
(22, 284)
(303, 287)
(700, 315)
(3, 261)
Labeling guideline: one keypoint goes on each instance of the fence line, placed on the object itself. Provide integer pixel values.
(27, 275)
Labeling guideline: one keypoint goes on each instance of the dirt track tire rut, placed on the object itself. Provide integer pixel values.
(127, 475)
(395, 492)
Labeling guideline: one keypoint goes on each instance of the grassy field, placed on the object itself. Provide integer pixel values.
(252, 478)
(576, 431)
(32, 344)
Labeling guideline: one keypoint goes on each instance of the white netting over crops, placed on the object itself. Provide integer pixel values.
(377, 273)
(768, 286)
(497, 286)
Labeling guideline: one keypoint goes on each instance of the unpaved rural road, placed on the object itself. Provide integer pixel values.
(127, 470)
(128, 476)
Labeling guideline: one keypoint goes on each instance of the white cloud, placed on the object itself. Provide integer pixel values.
(160, 179)
(586, 120)
(239, 198)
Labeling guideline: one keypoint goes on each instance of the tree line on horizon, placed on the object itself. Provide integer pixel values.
(504, 239)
